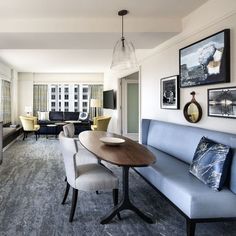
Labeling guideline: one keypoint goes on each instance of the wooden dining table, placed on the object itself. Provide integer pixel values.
(126, 155)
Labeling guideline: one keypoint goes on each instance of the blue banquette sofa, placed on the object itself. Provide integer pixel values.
(174, 147)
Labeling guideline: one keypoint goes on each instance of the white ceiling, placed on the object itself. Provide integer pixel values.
(78, 35)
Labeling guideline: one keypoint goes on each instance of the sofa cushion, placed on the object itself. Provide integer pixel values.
(71, 115)
(211, 162)
(43, 115)
(56, 116)
(171, 177)
(181, 141)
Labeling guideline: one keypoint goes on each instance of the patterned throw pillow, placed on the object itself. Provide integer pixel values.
(211, 162)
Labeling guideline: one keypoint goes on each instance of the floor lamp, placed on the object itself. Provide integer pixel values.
(95, 103)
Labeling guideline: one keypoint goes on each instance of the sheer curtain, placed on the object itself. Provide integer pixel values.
(40, 98)
(96, 92)
(6, 101)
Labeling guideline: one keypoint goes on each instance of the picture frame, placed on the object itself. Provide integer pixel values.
(222, 102)
(206, 61)
(169, 95)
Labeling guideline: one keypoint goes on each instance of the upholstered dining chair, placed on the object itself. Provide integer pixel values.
(69, 132)
(29, 124)
(100, 123)
(86, 177)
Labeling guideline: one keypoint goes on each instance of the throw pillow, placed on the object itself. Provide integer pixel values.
(211, 162)
(43, 115)
(83, 116)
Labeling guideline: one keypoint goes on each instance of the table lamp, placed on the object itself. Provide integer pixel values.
(95, 103)
(28, 110)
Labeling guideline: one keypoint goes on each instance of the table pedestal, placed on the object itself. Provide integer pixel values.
(125, 203)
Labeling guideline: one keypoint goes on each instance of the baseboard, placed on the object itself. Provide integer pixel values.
(11, 143)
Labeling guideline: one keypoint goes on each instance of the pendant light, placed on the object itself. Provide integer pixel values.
(124, 52)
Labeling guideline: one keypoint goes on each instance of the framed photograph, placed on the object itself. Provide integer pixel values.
(222, 102)
(170, 92)
(206, 61)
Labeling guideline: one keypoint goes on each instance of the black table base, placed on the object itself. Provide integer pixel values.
(125, 203)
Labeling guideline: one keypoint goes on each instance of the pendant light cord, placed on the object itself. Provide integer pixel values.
(122, 30)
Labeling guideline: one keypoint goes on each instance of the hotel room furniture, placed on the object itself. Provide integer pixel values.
(64, 117)
(1, 142)
(100, 123)
(85, 177)
(173, 146)
(10, 134)
(29, 124)
(129, 154)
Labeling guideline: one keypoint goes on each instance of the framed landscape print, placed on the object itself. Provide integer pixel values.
(206, 61)
(170, 92)
(222, 102)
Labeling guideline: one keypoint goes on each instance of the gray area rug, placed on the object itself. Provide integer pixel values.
(32, 187)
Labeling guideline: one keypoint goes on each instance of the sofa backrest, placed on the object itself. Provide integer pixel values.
(56, 115)
(181, 141)
(70, 115)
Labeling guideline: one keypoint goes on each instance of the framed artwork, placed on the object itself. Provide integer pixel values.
(222, 102)
(206, 61)
(170, 92)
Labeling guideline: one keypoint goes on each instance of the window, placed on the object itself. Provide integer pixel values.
(52, 109)
(53, 97)
(85, 104)
(76, 104)
(66, 109)
(53, 104)
(76, 110)
(59, 96)
(84, 109)
(66, 96)
(76, 90)
(85, 90)
(76, 96)
(66, 90)
(59, 104)
(85, 96)
(66, 104)
(60, 90)
(53, 90)
(6, 102)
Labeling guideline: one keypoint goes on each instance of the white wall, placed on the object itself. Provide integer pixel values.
(25, 92)
(210, 18)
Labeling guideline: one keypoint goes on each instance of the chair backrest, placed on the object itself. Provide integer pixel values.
(28, 122)
(68, 149)
(102, 122)
(69, 130)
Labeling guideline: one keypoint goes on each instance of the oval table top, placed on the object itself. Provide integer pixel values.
(130, 153)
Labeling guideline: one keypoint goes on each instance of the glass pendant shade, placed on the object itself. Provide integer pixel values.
(123, 57)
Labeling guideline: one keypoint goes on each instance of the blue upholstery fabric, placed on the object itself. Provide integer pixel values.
(71, 115)
(181, 141)
(211, 162)
(171, 177)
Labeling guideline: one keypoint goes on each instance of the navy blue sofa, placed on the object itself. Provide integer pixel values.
(60, 117)
(174, 146)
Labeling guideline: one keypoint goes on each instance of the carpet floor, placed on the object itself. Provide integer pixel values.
(32, 187)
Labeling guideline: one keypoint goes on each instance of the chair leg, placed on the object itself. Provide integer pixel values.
(66, 193)
(73, 205)
(97, 192)
(36, 136)
(24, 136)
(115, 194)
(190, 225)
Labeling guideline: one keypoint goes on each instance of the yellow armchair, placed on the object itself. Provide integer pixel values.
(100, 123)
(29, 124)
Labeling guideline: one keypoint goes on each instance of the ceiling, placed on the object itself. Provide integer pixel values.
(78, 35)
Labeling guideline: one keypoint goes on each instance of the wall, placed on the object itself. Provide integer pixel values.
(215, 15)
(27, 80)
(25, 92)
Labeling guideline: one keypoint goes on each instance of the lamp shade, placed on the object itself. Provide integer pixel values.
(95, 103)
(123, 56)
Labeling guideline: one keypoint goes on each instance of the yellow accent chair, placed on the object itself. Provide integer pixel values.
(100, 123)
(29, 124)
